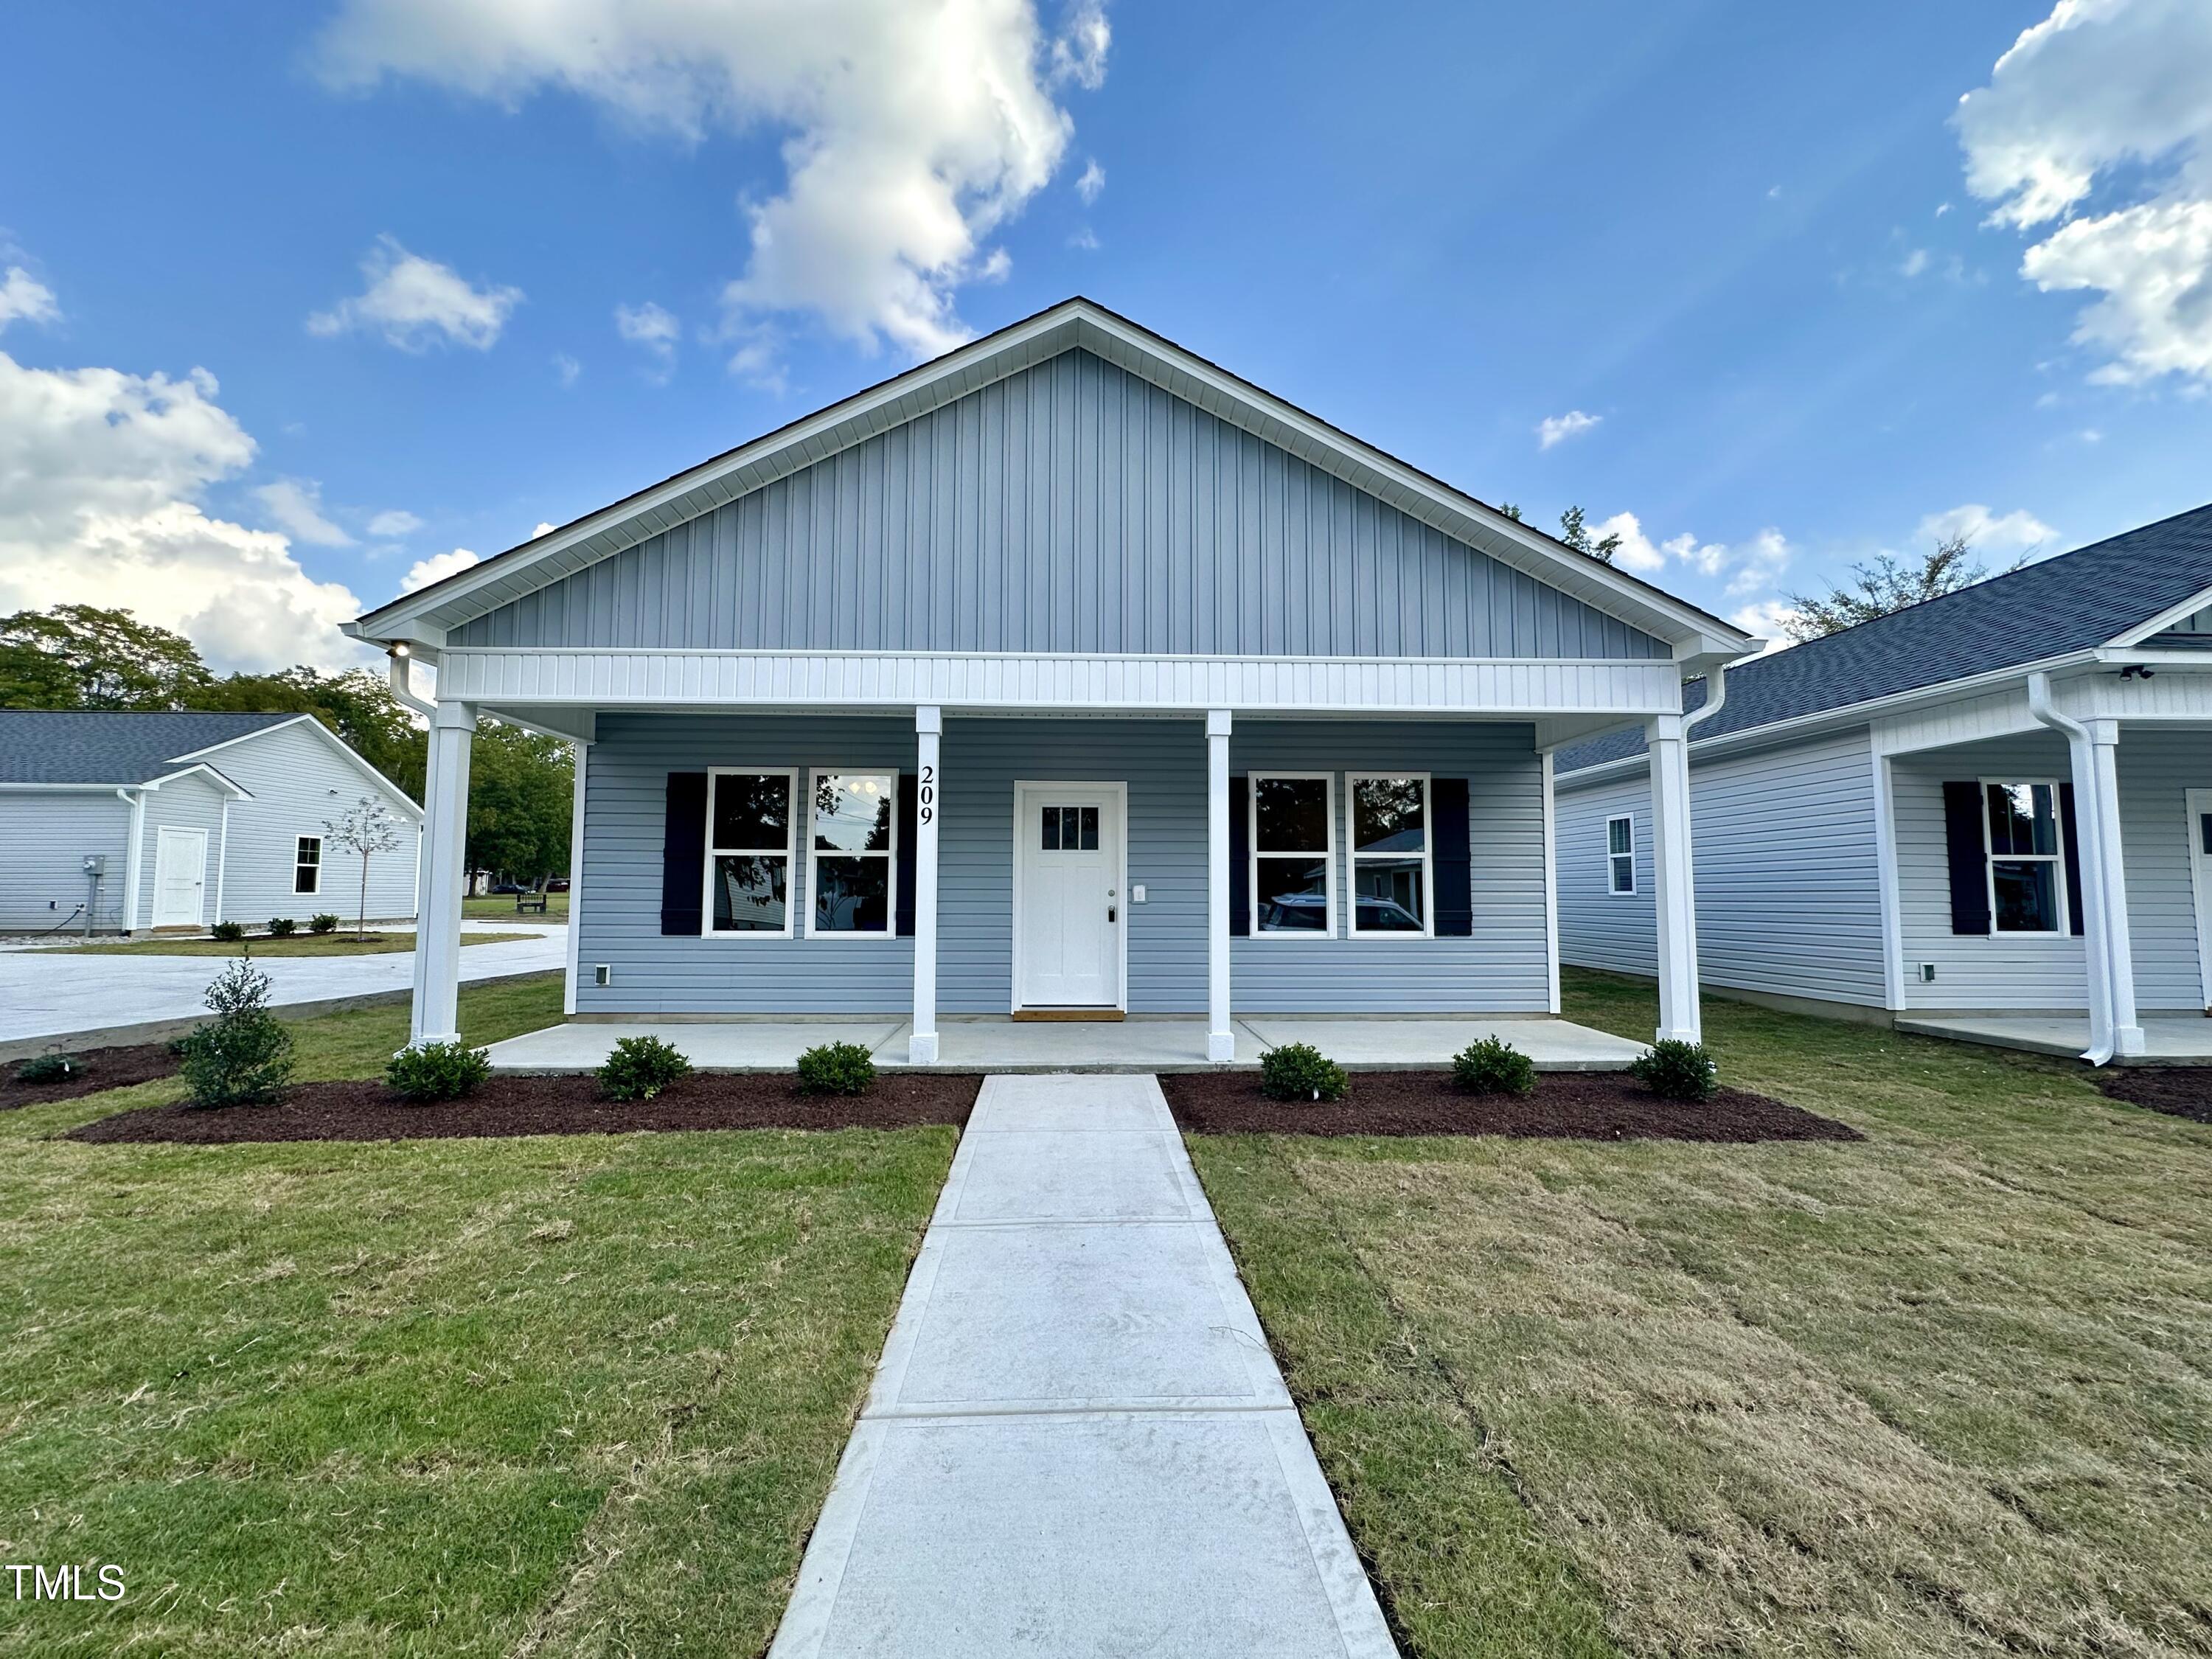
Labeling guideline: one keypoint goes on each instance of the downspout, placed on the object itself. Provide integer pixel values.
(2089, 819)
(222, 859)
(1717, 694)
(137, 801)
(402, 682)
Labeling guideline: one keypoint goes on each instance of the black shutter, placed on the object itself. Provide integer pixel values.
(1240, 857)
(1452, 859)
(2073, 854)
(1970, 875)
(903, 921)
(683, 853)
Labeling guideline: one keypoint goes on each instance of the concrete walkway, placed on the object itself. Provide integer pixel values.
(1078, 1443)
(2168, 1039)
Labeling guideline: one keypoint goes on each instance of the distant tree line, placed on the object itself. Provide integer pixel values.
(80, 656)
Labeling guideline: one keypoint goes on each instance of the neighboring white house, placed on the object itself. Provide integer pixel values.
(1989, 815)
(1065, 675)
(133, 821)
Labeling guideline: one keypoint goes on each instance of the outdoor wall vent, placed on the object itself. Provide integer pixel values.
(603, 973)
(1927, 972)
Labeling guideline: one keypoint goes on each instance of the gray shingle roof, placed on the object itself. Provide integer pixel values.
(2074, 601)
(110, 746)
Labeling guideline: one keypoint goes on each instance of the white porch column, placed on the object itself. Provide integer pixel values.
(1674, 889)
(583, 754)
(1220, 1040)
(928, 729)
(436, 1017)
(2104, 799)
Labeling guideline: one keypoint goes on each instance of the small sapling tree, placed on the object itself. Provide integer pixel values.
(366, 829)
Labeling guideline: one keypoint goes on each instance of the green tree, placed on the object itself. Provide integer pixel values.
(1883, 588)
(80, 656)
(1577, 535)
(521, 795)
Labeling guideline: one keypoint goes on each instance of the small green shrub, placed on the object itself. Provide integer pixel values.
(228, 931)
(49, 1068)
(1493, 1066)
(243, 1055)
(1299, 1071)
(1674, 1070)
(425, 1071)
(282, 927)
(323, 923)
(640, 1067)
(836, 1069)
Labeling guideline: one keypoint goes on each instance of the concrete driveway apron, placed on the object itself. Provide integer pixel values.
(1077, 1443)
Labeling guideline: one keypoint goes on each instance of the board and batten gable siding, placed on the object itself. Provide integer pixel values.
(194, 802)
(1789, 897)
(45, 836)
(1071, 507)
(299, 785)
(1502, 968)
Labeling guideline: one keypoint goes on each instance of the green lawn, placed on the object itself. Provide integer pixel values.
(562, 1395)
(1946, 1392)
(340, 943)
(501, 909)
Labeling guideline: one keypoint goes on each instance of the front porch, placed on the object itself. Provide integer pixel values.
(2167, 1039)
(1000, 1044)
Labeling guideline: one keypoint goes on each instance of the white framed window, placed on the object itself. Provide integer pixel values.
(307, 865)
(1293, 852)
(2026, 863)
(1620, 855)
(851, 853)
(751, 819)
(1390, 876)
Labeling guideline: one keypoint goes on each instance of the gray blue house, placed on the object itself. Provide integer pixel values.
(1989, 815)
(1066, 675)
(115, 821)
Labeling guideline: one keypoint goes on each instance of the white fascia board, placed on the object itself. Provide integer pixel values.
(237, 790)
(2165, 619)
(1075, 323)
(1851, 714)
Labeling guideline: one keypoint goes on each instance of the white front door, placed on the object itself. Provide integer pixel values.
(2199, 803)
(1069, 906)
(179, 878)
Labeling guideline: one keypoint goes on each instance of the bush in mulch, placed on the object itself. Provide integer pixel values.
(1674, 1070)
(2177, 1091)
(510, 1105)
(1493, 1065)
(1299, 1071)
(425, 1073)
(836, 1068)
(1568, 1105)
(90, 1072)
(640, 1067)
(243, 1056)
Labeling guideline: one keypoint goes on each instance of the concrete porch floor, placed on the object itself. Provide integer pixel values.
(1141, 1044)
(2168, 1039)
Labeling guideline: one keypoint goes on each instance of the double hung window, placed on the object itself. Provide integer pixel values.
(2026, 873)
(1389, 853)
(852, 847)
(307, 865)
(1621, 854)
(749, 852)
(1293, 854)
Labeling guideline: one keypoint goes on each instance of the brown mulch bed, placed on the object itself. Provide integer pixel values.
(549, 1106)
(2177, 1091)
(101, 1068)
(1568, 1105)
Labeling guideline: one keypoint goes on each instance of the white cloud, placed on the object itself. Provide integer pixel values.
(297, 504)
(2119, 90)
(101, 474)
(1092, 181)
(566, 367)
(654, 327)
(1914, 264)
(1708, 558)
(1757, 562)
(25, 299)
(1769, 619)
(2017, 531)
(393, 522)
(1751, 565)
(1636, 551)
(436, 568)
(1557, 429)
(1084, 240)
(909, 133)
(415, 303)
(545, 526)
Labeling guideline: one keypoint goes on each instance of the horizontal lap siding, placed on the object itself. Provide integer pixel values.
(44, 839)
(2157, 769)
(1502, 968)
(1973, 971)
(624, 815)
(1070, 508)
(299, 785)
(1789, 896)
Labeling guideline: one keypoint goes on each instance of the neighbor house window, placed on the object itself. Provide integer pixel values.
(1293, 854)
(1390, 852)
(749, 852)
(1620, 855)
(850, 849)
(2027, 881)
(307, 865)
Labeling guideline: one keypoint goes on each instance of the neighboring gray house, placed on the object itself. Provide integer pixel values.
(151, 821)
(1065, 675)
(1989, 815)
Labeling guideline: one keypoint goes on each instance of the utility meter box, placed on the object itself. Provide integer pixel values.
(95, 863)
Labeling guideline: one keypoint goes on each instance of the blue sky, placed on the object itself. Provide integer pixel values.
(1753, 263)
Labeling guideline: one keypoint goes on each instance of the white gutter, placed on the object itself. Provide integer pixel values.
(1716, 695)
(136, 800)
(2089, 817)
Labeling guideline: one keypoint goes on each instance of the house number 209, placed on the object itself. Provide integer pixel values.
(928, 797)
